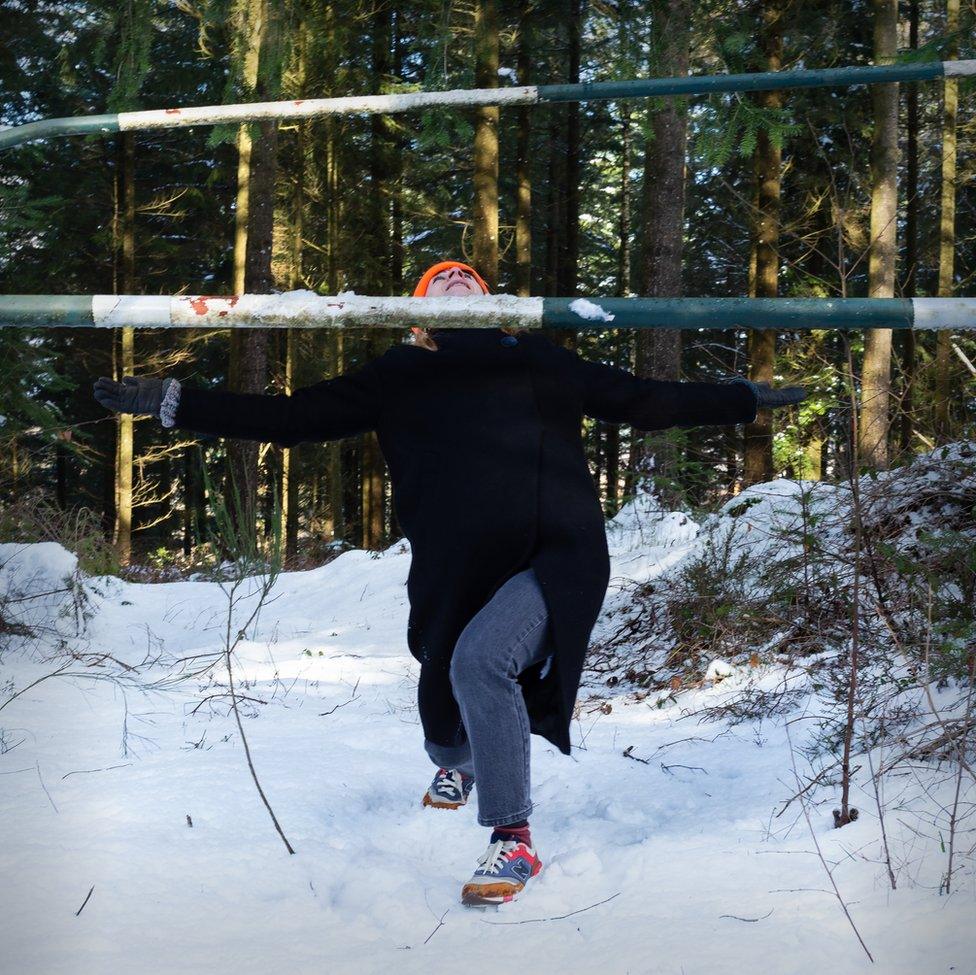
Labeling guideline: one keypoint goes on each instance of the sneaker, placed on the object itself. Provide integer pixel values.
(502, 873)
(449, 790)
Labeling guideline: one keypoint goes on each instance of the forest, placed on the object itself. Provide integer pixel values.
(822, 192)
(785, 659)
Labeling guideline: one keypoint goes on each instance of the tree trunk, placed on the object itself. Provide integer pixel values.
(658, 351)
(523, 167)
(623, 237)
(555, 180)
(876, 371)
(486, 144)
(569, 262)
(188, 488)
(382, 165)
(911, 246)
(947, 230)
(124, 451)
(254, 229)
(397, 250)
(767, 165)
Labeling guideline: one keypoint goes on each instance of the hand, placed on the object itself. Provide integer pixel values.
(767, 397)
(138, 396)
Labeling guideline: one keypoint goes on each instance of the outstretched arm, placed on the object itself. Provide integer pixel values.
(618, 396)
(329, 410)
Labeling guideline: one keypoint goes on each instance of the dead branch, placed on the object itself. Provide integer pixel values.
(85, 901)
(816, 843)
(748, 920)
(557, 917)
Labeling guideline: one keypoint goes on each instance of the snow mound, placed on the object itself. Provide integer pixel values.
(40, 584)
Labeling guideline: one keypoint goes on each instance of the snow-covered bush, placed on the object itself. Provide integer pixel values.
(772, 577)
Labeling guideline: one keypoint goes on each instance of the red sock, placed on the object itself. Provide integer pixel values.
(516, 831)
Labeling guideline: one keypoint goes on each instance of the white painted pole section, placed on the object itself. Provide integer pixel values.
(955, 314)
(957, 69)
(140, 311)
(305, 309)
(167, 118)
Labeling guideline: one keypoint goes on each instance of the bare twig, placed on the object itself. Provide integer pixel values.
(352, 698)
(881, 819)
(85, 771)
(557, 917)
(748, 920)
(954, 815)
(247, 755)
(440, 924)
(816, 843)
(37, 765)
(85, 901)
(56, 673)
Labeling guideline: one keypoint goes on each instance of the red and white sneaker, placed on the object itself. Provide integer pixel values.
(507, 866)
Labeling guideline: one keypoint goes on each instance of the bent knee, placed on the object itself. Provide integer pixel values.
(473, 663)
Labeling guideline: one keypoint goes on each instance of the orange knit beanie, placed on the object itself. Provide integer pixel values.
(421, 290)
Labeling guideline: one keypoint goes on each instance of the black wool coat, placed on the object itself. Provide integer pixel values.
(483, 443)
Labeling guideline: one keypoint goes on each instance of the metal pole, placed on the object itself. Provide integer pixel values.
(167, 118)
(305, 309)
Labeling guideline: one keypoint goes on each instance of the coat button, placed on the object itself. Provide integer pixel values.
(509, 340)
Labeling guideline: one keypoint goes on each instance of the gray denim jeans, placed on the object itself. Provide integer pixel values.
(507, 635)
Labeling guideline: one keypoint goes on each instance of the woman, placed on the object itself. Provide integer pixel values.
(481, 430)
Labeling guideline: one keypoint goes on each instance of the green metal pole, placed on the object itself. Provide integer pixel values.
(53, 128)
(305, 309)
(753, 313)
(757, 81)
(46, 311)
(521, 95)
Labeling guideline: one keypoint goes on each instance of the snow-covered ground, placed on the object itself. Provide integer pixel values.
(676, 865)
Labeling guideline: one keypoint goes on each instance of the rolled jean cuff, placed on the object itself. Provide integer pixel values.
(446, 756)
(515, 817)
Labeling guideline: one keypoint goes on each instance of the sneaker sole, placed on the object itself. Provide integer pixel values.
(484, 895)
(441, 805)
(487, 895)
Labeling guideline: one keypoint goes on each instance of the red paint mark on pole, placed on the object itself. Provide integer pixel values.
(200, 306)
(298, 101)
(173, 111)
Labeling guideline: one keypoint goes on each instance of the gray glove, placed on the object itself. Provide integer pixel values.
(139, 396)
(767, 397)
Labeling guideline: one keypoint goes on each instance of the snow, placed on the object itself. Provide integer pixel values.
(719, 670)
(306, 309)
(590, 311)
(675, 863)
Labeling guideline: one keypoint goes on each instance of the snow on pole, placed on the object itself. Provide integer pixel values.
(184, 117)
(305, 309)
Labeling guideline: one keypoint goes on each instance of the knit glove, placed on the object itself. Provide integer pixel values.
(142, 397)
(767, 397)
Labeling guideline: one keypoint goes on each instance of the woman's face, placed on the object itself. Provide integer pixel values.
(454, 282)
